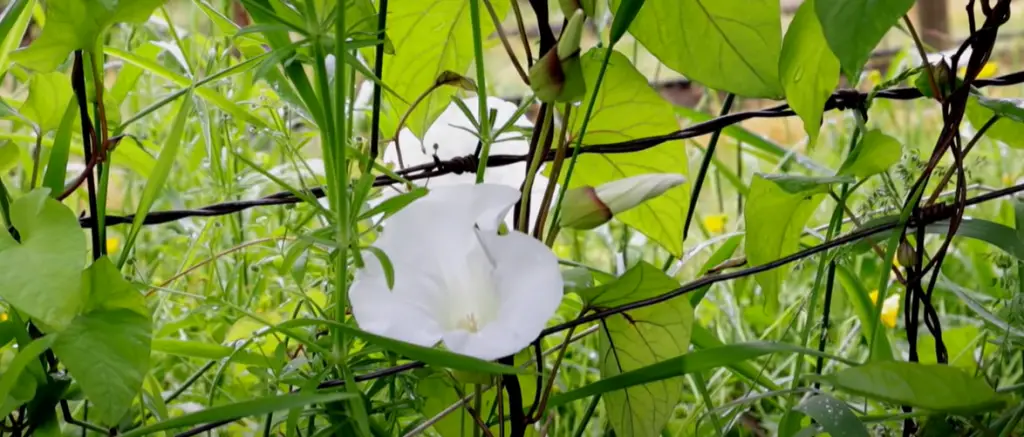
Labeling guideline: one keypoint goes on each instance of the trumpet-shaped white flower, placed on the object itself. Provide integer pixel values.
(455, 279)
(453, 135)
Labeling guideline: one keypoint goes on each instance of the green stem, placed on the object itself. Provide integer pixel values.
(579, 137)
(481, 90)
(531, 175)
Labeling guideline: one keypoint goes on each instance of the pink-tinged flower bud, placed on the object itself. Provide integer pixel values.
(558, 75)
(582, 209)
(588, 207)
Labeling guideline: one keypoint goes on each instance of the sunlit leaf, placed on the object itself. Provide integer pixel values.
(627, 108)
(777, 209)
(42, 273)
(56, 168)
(16, 18)
(854, 27)
(729, 45)
(1008, 129)
(78, 25)
(640, 338)
(931, 387)
(808, 69)
(874, 153)
(431, 36)
(48, 95)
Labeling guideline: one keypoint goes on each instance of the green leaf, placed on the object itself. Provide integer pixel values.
(48, 95)
(854, 27)
(431, 356)
(432, 36)
(219, 100)
(438, 392)
(773, 152)
(107, 347)
(639, 338)
(998, 235)
(777, 209)
(625, 14)
(13, 24)
(1008, 129)
(57, 167)
(808, 69)
(719, 256)
(833, 415)
(729, 45)
(78, 25)
(875, 153)
(393, 204)
(15, 370)
(10, 154)
(697, 361)
(42, 273)
(702, 338)
(627, 108)
(1012, 109)
(158, 177)
(961, 343)
(931, 387)
(208, 351)
(239, 410)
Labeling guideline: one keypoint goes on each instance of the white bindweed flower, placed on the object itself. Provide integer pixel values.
(455, 279)
(453, 135)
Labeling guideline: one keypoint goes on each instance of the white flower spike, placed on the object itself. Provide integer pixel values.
(485, 295)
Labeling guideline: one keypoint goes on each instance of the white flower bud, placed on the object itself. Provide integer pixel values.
(625, 194)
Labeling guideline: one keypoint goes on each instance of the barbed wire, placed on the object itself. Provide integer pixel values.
(840, 100)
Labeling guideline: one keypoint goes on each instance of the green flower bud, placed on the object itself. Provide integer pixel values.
(582, 209)
(569, 42)
(906, 255)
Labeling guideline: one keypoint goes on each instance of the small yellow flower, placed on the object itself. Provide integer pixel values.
(989, 70)
(874, 78)
(715, 223)
(1007, 179)
(3, 317)
(890, 308)
(113, 243)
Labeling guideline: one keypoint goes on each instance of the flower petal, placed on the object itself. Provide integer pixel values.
(405, 313)
(440, 224)
(453, 136)
(529, 286)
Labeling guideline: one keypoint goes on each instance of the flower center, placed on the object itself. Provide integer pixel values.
(468, 323)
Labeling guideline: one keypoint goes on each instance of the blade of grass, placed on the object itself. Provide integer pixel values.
(158, 177)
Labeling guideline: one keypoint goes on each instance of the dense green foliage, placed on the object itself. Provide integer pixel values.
(232, 164)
